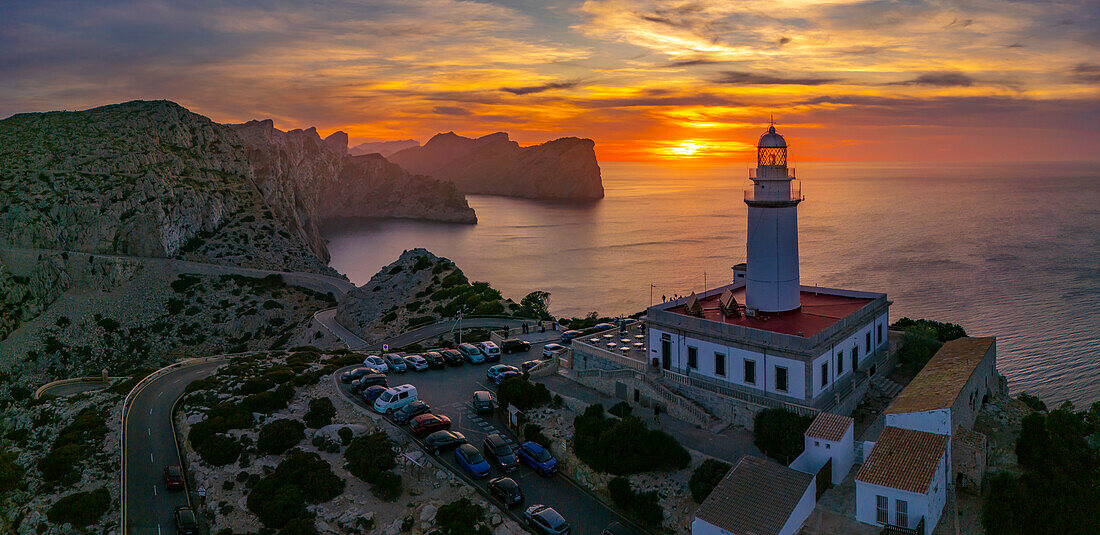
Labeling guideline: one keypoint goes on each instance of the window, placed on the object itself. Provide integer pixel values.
(817, 444)
(750, 372)
(828, 446)
(882, 509)
(903, 513)
(780, 379)
(719, 365)
(824, 374)
(839, 362)
(693, 357)
(855, 352)
(879, 340)
(867, 343)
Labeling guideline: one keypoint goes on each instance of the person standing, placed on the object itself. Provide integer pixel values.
(657, 412)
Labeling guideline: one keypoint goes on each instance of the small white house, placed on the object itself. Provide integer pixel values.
(903, 482)
(757, 497)
(829, 437)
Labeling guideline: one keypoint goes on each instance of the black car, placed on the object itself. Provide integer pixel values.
(506, 490)
(410, 411)
(453, 357)
(372, 379)
(186, 523)
(483, 402)
(515, 345)
(568, 336)
(444, 440)
(527, 366)
(616, 528)
(435, 360)
(544, 519)
(500, 453)
(352, 375)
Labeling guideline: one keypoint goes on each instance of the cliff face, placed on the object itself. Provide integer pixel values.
(563, 169)
(385, 148)
(153, 179)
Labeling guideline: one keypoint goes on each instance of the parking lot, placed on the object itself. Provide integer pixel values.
(449, 390)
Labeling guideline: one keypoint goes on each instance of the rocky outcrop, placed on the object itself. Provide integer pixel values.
(385, 148)
(563, 169)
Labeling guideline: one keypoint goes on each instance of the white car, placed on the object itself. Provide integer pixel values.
(416, 363)
(550, 351)
(375, 364)
(490, 350)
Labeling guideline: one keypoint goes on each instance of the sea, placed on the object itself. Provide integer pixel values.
(1011, 251)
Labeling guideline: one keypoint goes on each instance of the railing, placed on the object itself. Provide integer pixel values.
(890, 529)
(790, 173)
(670, 397)
(730, 391)
(753, 193)
(627, 362)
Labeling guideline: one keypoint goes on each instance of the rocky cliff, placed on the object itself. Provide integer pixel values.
(153, 179)
(563, 169)
(385, 148)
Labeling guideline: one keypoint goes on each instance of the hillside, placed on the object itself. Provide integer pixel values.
(385, 148)
(564, 169)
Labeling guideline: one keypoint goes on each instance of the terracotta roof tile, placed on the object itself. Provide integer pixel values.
(903, 459)
(756, 497)
(829, 426)
(940, 382)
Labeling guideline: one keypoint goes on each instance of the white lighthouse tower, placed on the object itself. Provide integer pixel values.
(772, 251)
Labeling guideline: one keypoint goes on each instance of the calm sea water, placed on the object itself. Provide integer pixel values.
(1011, 251)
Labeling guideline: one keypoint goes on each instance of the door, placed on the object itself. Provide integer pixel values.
(855, 365)
(666, 354)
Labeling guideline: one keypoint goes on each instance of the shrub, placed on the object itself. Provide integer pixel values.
(81, 508)
(183, 282)
(320, 413)
(388, 317)
(534, 433)
(621, 409)
(73, 444)
(255, 385)
(944, 332)
(269, 402)
(11, 472)
(299, 479)
(368, 456)
(280, 435)
(1032, 402)
(299, 526)
(219, 450)
(422, 262)
(461, 517)
(522, 393)
(624, 446)
(706, 477)
(779, 433)
(645, 506)
(388, 487)
(345, 435)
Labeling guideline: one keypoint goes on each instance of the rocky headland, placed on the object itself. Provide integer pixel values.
(563, 169)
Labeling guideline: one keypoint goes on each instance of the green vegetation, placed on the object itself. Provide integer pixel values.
(278, 436)
(208, 437)
(74, 444)
(422, 262)
(624, 446)
(300, 479)
(369, 458)
(536, 305)
(621, 409)
(523, 394)
(11, 472)
(81, 508)
(1032, 402)
(921, 340)
(644, 506)
(461, 517)
(269, 402)
(1059, 490)
(320, 413)
(779, 433)
(944, 332)
(706, 477)
(534, 433)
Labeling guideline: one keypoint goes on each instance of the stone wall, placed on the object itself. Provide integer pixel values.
(968, 459)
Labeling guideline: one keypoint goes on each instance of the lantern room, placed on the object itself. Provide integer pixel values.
(771, 150)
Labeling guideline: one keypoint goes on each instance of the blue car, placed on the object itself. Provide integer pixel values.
(495, 371)
(538, 458)
(372, 392)
(471, 460)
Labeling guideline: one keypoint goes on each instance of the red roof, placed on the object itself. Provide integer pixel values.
(819, 311)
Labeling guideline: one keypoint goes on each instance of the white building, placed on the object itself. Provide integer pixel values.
(757, 497)
(830, 437)
(903, 482)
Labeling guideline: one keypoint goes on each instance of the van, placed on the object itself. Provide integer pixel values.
(472, 353)
(395, 398)
(490, 350)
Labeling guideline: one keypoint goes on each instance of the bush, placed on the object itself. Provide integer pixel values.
(534, 433)
(299, 526)
(299, 479)
(706, 477)
(80, 509)
(11, 472)
(461, 517)
(944, 332)
(645, 506)
(278, 436)
(624, 446)
(345, 435)
(320, 413)
(269, 402)
(368, 456)
(72, 446)
(388, 487)
(219, 450)
(523, 394)
(621, 409)
(1032, 402)
(779, 434)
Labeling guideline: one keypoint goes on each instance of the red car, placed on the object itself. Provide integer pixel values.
(429, 423)
(173, 477)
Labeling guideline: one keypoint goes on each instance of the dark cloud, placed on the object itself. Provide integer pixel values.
(450, 110)
(527, 90)
(693, 62)
(784, 40)
(1088, 73)
(659, 98)
(942, 79)
(1014, 45)
(752, 78)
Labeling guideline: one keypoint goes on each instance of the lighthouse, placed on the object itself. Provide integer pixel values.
(772, 283)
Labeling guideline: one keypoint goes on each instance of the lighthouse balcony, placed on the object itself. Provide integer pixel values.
(772, 172)
(776, 194)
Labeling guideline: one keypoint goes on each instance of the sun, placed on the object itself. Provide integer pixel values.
(685, 149)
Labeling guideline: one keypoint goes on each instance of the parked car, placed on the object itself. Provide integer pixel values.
(537, 457)
(472, 353)
(527, 366)
(515, 345)
(550, 351)
(444, 440)
(353, 374)
(429, 423)
(505, 375)
(375, 364)
(600, 327)
(416, 363)
(453, 357)
(568, 336)
(395, 362)
(395, 398)
(411, 410)
(371, 393)
(483, 402)
(617, 528)
(497, 450)
(186, 522)
(490, 350)
(173, 477)
(371, 379)
(495, 370)
(470, 460)
(435, 360)
(545, 520)
(506, 490)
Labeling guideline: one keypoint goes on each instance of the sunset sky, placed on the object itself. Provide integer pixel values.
(905, 80)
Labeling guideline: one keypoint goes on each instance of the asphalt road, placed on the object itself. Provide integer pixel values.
(448, 391)
(150, 447)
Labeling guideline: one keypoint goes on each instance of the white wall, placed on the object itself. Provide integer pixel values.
(817, 452)
(702, 527)
(935, 421)
(802, 510)
(929, 505)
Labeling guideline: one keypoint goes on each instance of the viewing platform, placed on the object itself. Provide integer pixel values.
(778, 195)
